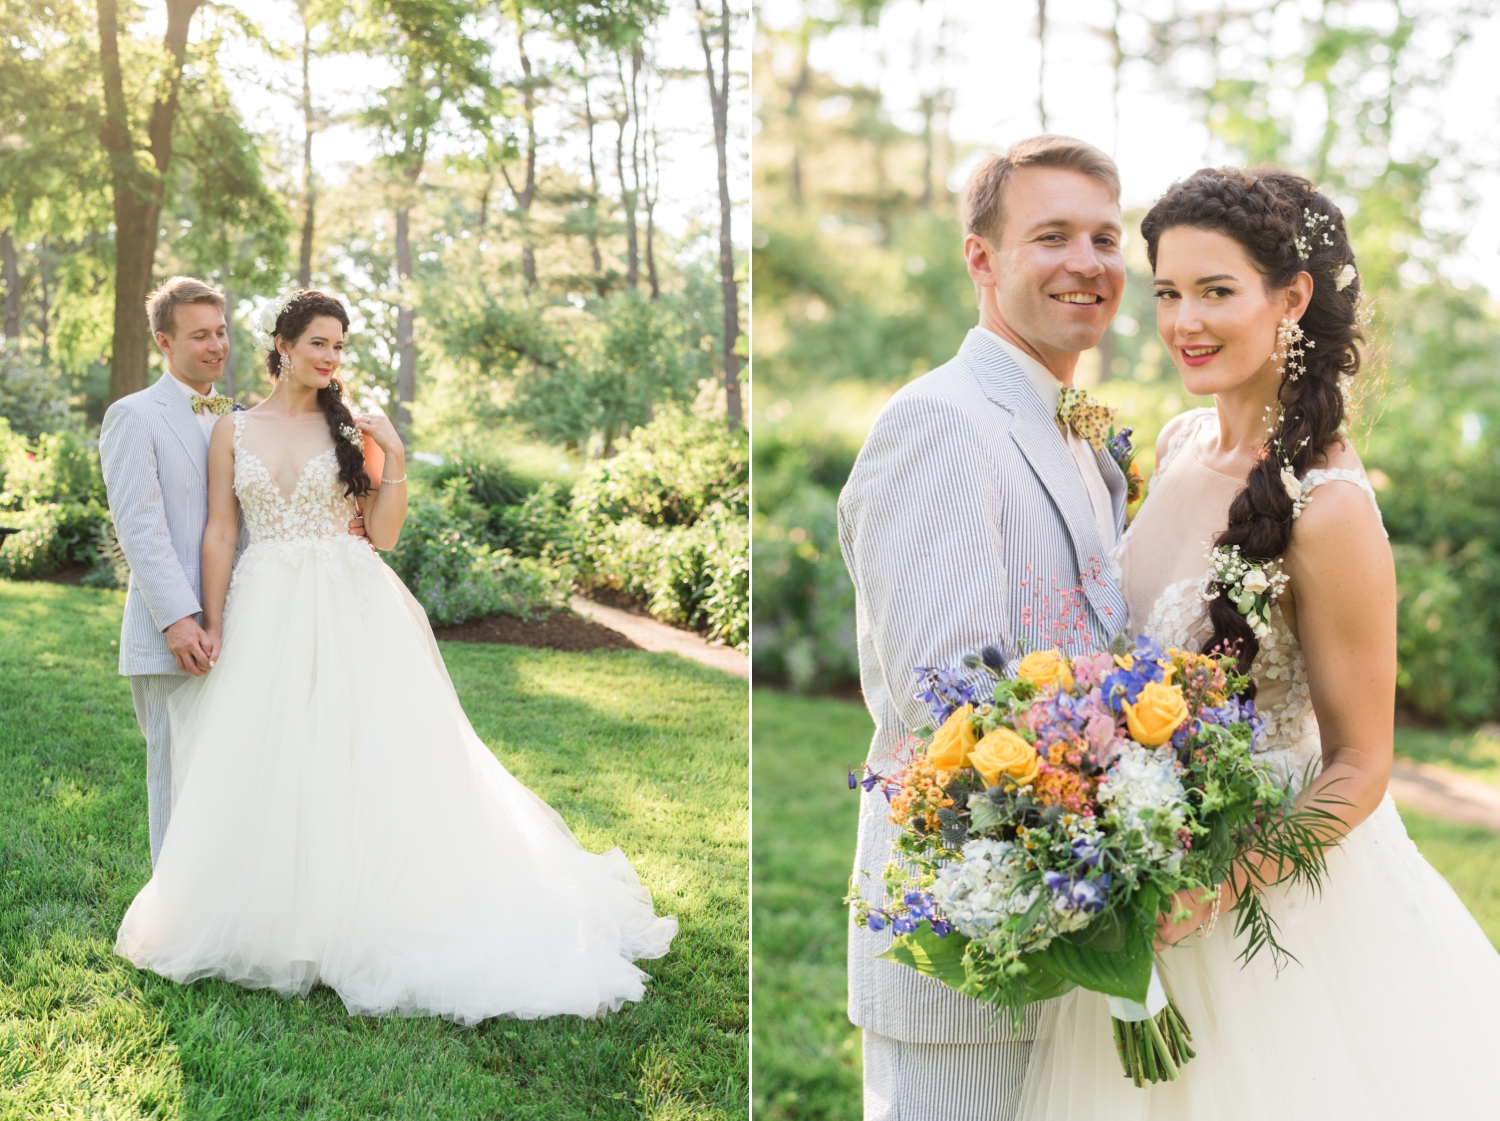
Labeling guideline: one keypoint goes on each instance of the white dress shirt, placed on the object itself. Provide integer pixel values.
(206, 418)
(1049, 389)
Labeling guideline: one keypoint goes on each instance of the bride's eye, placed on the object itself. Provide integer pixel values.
(1165, 294)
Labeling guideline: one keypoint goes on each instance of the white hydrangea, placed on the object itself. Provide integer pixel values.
(980, 891)
(1144, 795)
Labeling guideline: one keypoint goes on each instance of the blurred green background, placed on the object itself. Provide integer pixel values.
(859, 285)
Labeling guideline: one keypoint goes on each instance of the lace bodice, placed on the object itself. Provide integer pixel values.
(1163, 544)
(315, 509)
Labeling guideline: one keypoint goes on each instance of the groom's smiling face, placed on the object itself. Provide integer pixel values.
(1057, 272)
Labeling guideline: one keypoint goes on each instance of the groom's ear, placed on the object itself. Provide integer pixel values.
(980, 255)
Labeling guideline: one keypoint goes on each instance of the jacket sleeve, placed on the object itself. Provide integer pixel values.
(127, 456)
(920, 529)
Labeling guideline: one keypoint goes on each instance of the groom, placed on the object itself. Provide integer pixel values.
(981, 494)
(153, 448)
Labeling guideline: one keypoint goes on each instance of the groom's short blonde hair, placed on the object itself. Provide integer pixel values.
(162, 305)
(982, 205)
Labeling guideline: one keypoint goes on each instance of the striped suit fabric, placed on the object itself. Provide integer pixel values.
(154, 456)
(963, 524)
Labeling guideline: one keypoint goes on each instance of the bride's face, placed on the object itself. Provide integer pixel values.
(1215, 313)
(316, 356)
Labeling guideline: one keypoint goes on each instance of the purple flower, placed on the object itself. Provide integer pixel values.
(921, 904)
(1085, 895)
(853, 782)
(875, 920)
(905, 924)
(1055, 881)
(943, 691)
(1086, 849)
(942, 928)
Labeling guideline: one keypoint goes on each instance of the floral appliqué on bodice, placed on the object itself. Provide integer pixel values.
(316, 507)
(1179, 617)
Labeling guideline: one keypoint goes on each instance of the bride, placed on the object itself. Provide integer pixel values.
(335, 818)
(1388, 1010)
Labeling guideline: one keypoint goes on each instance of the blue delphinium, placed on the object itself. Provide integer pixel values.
(875, 921)
(921, 904)
(1126, 684)
(904, 924)
(1088, 850)
(1077, 895)
(943, 691)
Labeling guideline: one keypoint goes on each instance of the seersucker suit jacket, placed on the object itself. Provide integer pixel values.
(155, 462)
(963, 520)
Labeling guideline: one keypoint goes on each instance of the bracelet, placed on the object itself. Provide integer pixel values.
(1213, 914)
(392, 482)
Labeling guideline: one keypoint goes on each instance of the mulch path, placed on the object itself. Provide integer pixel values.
(559, 630)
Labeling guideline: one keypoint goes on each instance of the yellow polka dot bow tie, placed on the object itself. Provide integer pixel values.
(1090, 419)
(218, 404)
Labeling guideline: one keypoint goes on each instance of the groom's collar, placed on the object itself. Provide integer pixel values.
(1042, 380)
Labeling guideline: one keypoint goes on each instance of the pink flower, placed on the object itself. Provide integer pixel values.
(1090, 669)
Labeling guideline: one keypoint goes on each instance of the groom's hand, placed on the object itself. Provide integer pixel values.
(186, 641)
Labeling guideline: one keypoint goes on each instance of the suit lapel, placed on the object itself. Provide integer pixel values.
(1114, 480)
(1041, 442)
(182, 422)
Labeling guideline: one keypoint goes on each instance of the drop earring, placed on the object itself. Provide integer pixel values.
(1291, 355)
(283, 367)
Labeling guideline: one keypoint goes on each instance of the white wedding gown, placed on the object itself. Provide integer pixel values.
(337, 821)
(1390, 1011)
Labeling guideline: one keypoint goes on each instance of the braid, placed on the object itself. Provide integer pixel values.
(1285, 227)
(291, 324)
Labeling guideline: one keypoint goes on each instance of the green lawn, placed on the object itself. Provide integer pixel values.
(806, 1051)
(644, 751)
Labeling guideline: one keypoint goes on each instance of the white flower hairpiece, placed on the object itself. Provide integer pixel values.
(1253, 586)
(265, 323)
(1345, 277)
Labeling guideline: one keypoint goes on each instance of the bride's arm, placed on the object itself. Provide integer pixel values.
(1344, 580)
(222, 533)
(384, 508)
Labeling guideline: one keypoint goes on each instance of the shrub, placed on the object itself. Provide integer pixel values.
(53, 493)
(665, 521)
(34, 401)
(668, 473)
(1448, 666)
(455, 576)
(804, 600)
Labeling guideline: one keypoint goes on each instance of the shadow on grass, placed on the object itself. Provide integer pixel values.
(633, 749)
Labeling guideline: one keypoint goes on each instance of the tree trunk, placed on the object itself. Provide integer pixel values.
(138, 191)
(718, 93)
(10, 268)
(528, 194)
(406, 343)
(651, 161)
(627, 196)
(231, 380)
(588, 117)
(1041, 64)
(309, 186)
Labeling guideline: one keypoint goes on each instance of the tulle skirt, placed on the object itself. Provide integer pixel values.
(337, 821)
(1390, 1011)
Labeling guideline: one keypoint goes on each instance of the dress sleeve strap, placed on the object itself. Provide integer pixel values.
(1185, 431)
(1343, 475)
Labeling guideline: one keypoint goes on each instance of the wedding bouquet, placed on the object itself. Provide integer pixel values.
(1044, 828)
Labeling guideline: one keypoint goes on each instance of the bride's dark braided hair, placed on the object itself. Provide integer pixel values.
(291, 324)
(1285, 227)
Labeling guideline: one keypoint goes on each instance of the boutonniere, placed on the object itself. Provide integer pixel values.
(1122, 451)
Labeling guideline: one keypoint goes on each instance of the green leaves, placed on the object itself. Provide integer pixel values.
(1126, 973)
(931, 956)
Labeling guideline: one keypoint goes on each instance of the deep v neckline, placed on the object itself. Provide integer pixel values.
(301, 475)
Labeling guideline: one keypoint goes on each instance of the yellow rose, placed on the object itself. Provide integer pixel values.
(1157, 713)
(954, 740)
(1003, 752)
(1045, 667)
